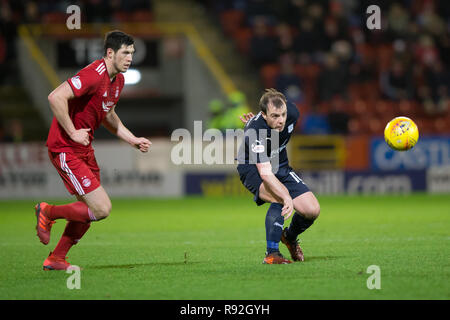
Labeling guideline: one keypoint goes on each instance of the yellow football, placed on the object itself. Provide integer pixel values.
(401, 134)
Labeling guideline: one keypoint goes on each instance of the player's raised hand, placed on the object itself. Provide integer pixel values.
(143, 144)
(245, 117)
(81, 136)
(288, 208)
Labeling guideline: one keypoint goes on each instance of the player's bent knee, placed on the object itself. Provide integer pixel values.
(313, 212)
(102, 212)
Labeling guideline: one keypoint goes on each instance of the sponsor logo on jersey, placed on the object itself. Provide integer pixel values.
(107, 106)
(257, 147)
(76, 82)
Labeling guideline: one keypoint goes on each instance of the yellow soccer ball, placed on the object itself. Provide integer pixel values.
(401, 134)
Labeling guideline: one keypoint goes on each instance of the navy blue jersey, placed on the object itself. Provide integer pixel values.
(263, 144)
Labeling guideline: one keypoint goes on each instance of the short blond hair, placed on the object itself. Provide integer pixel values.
(271, 96)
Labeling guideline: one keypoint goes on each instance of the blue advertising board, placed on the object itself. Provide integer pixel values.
(320, 182)
(427, 153)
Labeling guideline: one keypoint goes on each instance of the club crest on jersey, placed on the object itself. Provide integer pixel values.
(86, 182)
(117, 92)
(76, 82)
(257, 147)
(290, 128)
(107, 106)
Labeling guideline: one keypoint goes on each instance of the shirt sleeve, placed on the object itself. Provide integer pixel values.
(84, 82)
(293, 111)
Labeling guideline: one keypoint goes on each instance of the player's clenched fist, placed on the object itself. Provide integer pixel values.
(142, 144)
(81, 136)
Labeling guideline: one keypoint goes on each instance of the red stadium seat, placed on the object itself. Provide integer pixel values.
(376, 126)
(308, 72)
(384, 109)
(425, 126)
(384, 55)
(231, 21)
(441, 125)
(54, 17)
(358, 108)
(142, 16)
(242, 38)
(121, 16)
(358, 126)
(269, 73)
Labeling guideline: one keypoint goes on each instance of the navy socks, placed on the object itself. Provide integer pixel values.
(297, 226)
(274, 227)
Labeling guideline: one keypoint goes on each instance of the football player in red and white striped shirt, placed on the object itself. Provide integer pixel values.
(80, 105)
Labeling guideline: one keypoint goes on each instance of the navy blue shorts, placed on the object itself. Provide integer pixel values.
(251, 179)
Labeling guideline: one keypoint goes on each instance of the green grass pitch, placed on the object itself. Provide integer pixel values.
(212, 248)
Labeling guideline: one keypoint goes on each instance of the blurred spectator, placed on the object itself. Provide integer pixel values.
(435, 92)
(333, 79)
(363, 70)
(285, 39)
(290, 11)
(31, 12)
(3, 136)
(287, 81)
(333, 32)
(398, 21)
(8, 34)
(263, 46)
(306, 43)
(135, 5)
(97, 11)
(315, 123)
(396, 83)
(430, 21)
(257, 8)
(338, 118)
(13, 131)
(426, 52)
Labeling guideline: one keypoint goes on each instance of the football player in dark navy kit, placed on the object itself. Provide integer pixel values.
(264, 170)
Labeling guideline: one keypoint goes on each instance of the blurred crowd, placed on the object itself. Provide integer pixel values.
(13, 13)
(323, 57)
(344, 77)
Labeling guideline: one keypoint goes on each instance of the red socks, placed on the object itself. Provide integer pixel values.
(73, 232)
(77, 211)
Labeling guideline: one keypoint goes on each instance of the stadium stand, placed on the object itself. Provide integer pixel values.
(403, 68)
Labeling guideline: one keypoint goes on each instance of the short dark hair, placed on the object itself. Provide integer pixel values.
(276, 98)
(115, 39)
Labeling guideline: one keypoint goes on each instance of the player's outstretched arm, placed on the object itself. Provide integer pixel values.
(114, 125)
(58, 100)
(276, 187)
(245, 117)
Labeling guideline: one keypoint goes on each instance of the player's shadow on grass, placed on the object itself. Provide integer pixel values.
(135, 265)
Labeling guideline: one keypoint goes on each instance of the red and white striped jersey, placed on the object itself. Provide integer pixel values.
(95, 94)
